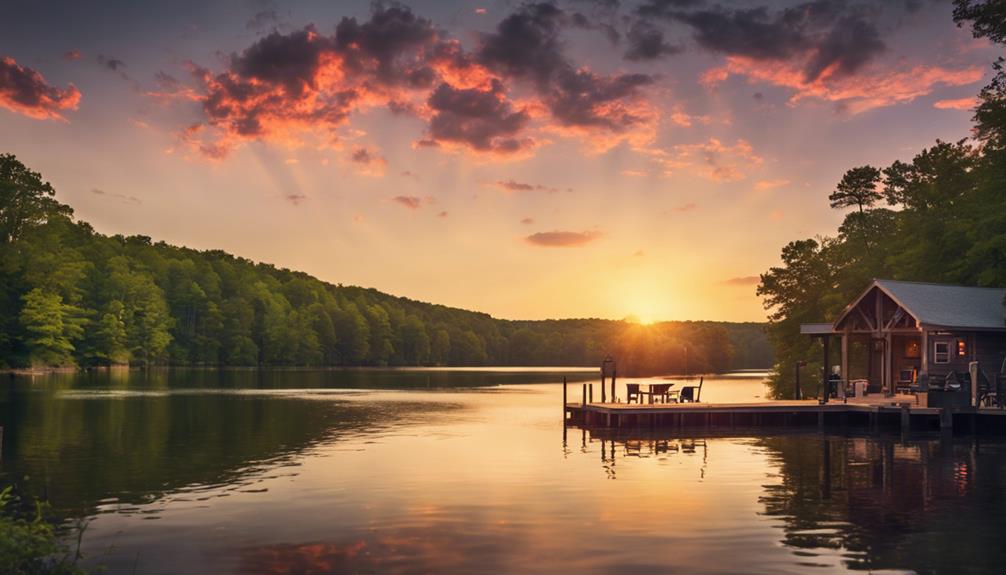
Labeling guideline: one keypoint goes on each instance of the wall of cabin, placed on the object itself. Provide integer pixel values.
(990, 349)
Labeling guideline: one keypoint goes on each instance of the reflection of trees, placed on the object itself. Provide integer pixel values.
(923, 505)
(134, 443)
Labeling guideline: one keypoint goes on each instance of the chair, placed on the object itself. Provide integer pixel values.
(661, 390)
(632, 391)
(691, 393)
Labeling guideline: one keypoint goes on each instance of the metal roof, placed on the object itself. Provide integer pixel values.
(816, 329)
(942, 305)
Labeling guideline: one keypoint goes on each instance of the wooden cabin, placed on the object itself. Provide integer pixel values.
(895, 332)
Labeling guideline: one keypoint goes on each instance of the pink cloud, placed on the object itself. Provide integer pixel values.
(712, 159)
(956, 104)
(866, 90)
(24, 91)
(763, 185)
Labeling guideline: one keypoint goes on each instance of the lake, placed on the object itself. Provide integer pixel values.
(472, 471)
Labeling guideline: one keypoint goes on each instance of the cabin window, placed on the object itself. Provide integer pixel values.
(912, 349)
(941, 352)
(962, 348)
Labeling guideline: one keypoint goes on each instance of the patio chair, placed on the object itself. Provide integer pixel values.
(661, 391)
(691, 393)
(632, 392)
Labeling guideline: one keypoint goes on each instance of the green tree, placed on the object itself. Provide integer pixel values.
(51, 328)
(25, 200)
(858, 187)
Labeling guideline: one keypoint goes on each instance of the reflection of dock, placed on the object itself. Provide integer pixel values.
(869, 412)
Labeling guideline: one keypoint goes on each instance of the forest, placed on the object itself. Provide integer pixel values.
(70, 296)
(938, 217)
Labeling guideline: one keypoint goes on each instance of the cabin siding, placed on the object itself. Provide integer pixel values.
(938, 371)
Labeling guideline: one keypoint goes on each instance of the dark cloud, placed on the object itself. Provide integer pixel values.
(664, 8)
(560, 239)
(126, 199)
(480, 119)
(527, 45)
(515, 186)
(831, 35)
(442, 214)
(411, 202)
(72, 55)
(295, 198)
(362, 156)
(527, 221)
(289, 60)
(646, 42)
(25, 91)
(391, 31)
(263, 20)
(579, 99)
(113, 64)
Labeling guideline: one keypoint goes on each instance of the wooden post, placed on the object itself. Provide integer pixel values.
(906, 420)
(583, 395)
(825, 381)
(820, 420)
(590, 391)
(946, 420)
(844, 365)
(797, 394)
(564, 398)
(614, 374)
(613, 400)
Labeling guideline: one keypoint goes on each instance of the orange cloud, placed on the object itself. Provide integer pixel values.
(763, 185)
(24, 91)
(742, 281)
(712, 159)
(559, 239)
(870, 89)
(957, 104)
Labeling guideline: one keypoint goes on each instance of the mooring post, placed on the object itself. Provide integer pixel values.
(590, 392)
(583, 395)
(613, 400)
(946, 420)
(564, 397)
(614, 374)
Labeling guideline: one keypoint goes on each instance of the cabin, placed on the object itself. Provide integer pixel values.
(898, 336)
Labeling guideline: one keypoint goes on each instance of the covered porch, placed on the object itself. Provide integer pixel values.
(911, 338)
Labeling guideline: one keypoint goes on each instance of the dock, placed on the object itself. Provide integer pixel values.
(870, 412)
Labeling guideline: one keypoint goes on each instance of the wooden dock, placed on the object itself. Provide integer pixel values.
(872, 412)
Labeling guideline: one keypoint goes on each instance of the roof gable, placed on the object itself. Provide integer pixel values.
(940, 305)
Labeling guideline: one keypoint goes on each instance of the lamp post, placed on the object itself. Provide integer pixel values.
(797, 392)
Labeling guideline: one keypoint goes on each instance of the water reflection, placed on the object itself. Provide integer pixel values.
(313, 473)
(872, 503)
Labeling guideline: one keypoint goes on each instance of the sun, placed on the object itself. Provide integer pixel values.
(645, 320)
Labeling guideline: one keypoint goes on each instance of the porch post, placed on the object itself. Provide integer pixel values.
(924, 363)
(826, 389)
(888, 365)
(845, 364)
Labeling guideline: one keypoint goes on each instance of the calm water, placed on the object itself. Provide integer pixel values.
(471, 472)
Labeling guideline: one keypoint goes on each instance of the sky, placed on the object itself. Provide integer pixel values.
(530, 160)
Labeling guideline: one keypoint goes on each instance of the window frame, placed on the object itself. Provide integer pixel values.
(946, 353)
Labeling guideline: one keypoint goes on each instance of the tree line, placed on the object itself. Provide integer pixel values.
(944, 221)
(71, 296)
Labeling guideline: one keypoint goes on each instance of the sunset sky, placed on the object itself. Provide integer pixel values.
(576, 159)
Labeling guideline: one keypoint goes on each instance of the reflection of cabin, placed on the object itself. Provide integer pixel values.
(896, 331)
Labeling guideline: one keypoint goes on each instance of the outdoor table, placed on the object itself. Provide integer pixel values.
(649, 390)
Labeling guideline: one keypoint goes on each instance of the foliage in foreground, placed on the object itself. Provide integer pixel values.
(31, 545)
(945, 222)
